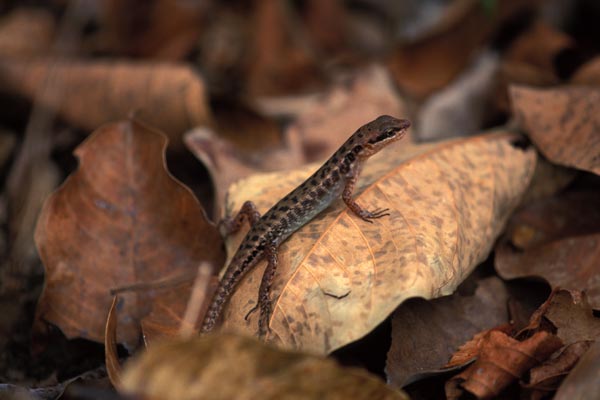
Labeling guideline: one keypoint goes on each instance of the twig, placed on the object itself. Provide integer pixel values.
(197, 297)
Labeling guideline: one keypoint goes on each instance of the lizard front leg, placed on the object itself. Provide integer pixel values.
(353, 205)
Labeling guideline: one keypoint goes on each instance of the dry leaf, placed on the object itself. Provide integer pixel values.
(562, 123)
(431, 62)
(120, 219)
(471, 349)
(164, 29)
(168, 308)
(548, 179)
(572, 316)
(339, 277)
(588, 74)
(460, 108)
(557, 239)
(326, 124)
(278, 62)
(531, 60)
(548, 376)
(26, 32)
(226, 164)
(232, 367)
(539, 47)
(247, 129)
(170, 97)
(514, 72)
(426, 333)
(60, 390)
(326, 22)
(501, 361)
(583, 379)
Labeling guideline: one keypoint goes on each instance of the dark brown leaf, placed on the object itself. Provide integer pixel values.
(431, 62)
(588, 73)
(278, 62)
(165, 29)
(548, 376)
(583, 379)
(120, 219)
(426, 333)
(572, 316)
(538, 47)
(557, 239)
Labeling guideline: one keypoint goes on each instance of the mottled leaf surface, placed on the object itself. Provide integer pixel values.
(339, 276)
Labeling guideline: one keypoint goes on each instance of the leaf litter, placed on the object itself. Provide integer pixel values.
(311, 86)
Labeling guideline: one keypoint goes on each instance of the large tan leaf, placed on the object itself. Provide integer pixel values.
(232, 367)
(339, 276)
(120, 219)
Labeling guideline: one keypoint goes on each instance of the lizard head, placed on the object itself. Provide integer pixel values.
(381, 132)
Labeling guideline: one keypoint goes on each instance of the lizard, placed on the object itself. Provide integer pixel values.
(337, 177)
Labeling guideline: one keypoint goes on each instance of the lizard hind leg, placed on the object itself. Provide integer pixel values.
(233, 224)
(264, 293)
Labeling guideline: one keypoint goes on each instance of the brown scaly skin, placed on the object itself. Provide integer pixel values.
(335, 178)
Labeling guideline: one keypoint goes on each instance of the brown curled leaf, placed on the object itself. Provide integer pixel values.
(501, 360)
